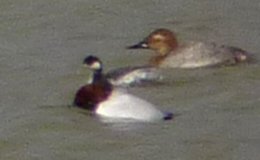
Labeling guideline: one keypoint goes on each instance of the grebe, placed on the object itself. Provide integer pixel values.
(132, 76)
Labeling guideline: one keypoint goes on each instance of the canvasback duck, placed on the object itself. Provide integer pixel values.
(104, 99)
(130, 76)
(170, 54)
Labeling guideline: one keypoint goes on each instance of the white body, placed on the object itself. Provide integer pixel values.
(120, 104)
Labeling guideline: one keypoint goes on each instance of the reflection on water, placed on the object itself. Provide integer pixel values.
(128, 125)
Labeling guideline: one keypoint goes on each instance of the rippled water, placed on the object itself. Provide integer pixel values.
(43, 43)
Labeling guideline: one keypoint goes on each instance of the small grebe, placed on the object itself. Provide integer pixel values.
(191, 55)
(131, 76)
(134, 76)
(102, 98)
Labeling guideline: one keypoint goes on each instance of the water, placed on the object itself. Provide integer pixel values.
(43, 43)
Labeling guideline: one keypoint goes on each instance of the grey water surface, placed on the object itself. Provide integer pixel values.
(43, 43)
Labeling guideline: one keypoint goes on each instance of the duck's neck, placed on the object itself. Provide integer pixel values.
(163, 51)
(155, 61)
(167, 47)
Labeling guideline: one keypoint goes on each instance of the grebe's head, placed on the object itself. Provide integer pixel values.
(97, 90)
(93, 63)
(161, 40)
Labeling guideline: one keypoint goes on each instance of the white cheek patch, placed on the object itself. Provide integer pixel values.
(95, 65)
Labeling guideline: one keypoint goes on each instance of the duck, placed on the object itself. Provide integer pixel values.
(105, 100)
(193, 54)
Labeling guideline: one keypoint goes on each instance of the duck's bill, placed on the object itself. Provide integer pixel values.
(140, 45)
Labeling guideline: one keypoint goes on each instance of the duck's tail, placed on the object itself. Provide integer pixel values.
(168, 116)
(240, 55)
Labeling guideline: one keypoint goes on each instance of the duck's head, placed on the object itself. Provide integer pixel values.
(163, 41)
(93, 63)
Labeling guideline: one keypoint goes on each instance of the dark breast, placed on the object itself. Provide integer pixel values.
(89, 96)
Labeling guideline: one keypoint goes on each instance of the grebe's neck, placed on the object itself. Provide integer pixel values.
(98, 75)
(90, 95)
(101, 80)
